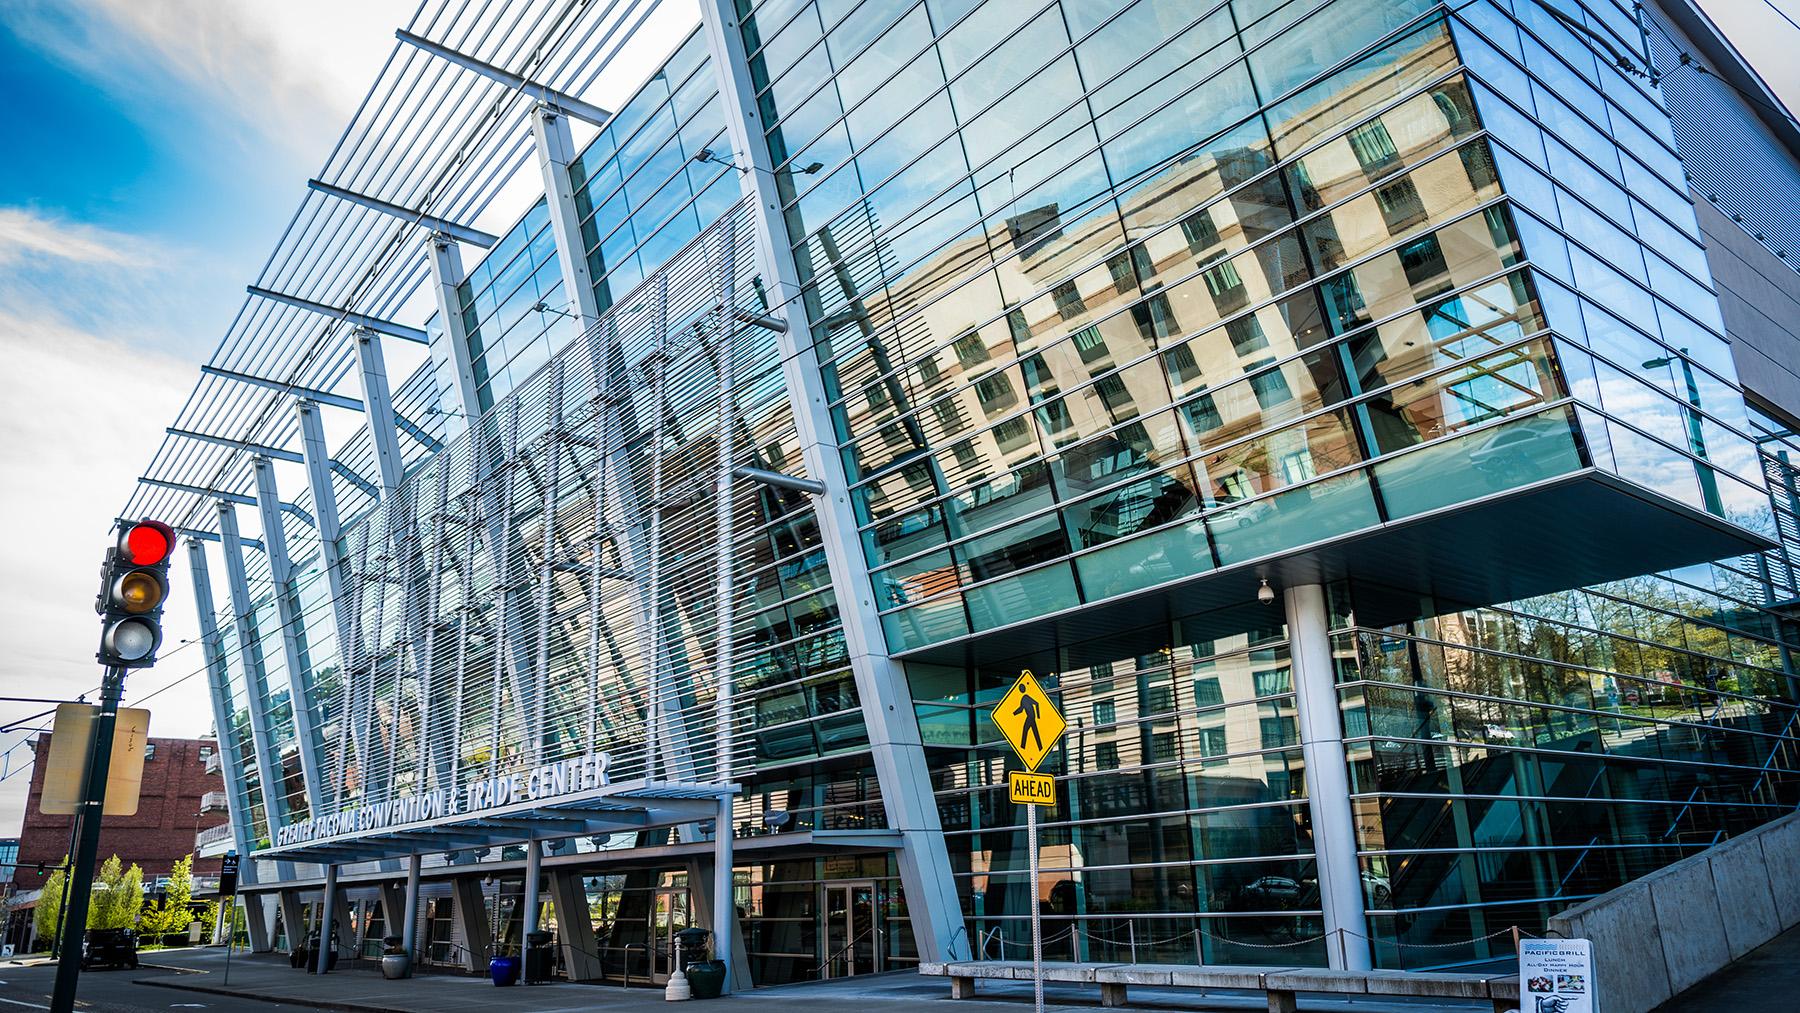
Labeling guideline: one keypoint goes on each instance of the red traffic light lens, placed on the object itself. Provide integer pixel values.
(147, 543)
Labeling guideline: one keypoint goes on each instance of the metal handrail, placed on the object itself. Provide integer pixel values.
(846, 948)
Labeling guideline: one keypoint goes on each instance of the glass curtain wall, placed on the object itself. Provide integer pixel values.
(656, 175)
(1108, 294)
(1587, 153)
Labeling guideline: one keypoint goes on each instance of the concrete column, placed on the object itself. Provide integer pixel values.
(259, 918)
(293, 919)
(293, 634)
(1327, 777)
(534, 876)
(327, 920)
(268, 770)
(378, 405)
(706, 911)
(472, 920)
(393, 907)
(895, 747)
(575, 926)
(409, 926)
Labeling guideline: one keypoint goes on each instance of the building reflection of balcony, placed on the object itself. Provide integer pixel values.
(213, 841)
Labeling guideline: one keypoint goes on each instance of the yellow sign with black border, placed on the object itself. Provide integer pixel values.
(1027, 788)
(1029, 720)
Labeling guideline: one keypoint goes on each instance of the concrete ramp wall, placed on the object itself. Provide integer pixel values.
(1658, 936)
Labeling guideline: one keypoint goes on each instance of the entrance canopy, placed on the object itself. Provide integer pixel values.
(607, 809)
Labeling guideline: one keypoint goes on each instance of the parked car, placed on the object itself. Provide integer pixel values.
(114, 947)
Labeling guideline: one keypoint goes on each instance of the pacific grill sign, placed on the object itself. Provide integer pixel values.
(552, 780)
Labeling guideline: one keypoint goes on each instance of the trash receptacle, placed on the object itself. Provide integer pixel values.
(540, 958)
(693, 943)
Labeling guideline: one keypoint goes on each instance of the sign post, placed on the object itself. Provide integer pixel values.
(228, 877)
(1556, 976)
(1032, 726)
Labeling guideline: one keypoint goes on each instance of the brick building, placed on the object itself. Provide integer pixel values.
(181, 797)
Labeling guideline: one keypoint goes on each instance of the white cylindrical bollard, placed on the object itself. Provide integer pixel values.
(678, 989)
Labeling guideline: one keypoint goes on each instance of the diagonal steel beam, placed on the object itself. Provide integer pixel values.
(264, 449)
(229, 497)
(349, 316)
(461, 233)
(543, 93)
(326, 397)
(350, 475)
(311, 394)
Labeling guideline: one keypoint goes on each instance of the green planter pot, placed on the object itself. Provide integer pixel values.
(706, 978)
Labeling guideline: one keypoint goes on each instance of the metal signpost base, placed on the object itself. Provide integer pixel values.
(81, 870)
(1037, 924)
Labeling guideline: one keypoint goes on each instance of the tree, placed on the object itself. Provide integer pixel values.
(172, 915)
(118, 896)
(209, 918)
(48, 913)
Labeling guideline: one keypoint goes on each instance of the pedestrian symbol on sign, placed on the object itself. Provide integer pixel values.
(1029, 721)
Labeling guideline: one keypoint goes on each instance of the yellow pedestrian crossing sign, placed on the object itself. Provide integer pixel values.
(1029, 720)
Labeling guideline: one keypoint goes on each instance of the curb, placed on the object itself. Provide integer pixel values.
(266, 997)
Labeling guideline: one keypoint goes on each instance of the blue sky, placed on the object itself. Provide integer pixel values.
(153, 150)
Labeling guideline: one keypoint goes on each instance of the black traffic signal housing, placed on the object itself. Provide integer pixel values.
(134, 585)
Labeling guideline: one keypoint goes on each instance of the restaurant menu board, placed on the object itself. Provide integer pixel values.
(1556, 976)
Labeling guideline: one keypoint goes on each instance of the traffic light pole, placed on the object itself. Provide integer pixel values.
(81, 871)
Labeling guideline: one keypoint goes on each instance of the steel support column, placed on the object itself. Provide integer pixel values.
(379, 407)
(534, 879)
(293, 634)
(317, 457)
(1327, 777)
(446, 275)
(724, 909)
(327, 922)
(218, 684)
(555, 150)
(256, 680)
(894, 743)
(409, 925)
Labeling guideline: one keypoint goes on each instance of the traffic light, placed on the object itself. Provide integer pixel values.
(134, 583)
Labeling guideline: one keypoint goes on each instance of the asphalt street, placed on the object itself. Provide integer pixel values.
(113, 991)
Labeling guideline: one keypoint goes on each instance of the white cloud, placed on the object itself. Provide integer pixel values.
(24, 234)
(289, 73)
(83, 415)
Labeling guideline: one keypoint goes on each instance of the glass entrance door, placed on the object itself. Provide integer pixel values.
(852, 938)
(669, 917)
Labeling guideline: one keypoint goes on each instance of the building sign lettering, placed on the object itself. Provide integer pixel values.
(551, 780)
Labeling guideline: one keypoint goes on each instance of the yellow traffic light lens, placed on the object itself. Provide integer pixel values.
(139, 592)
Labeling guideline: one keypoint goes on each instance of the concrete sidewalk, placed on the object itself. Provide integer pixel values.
(361, 988)
(1765, 980)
